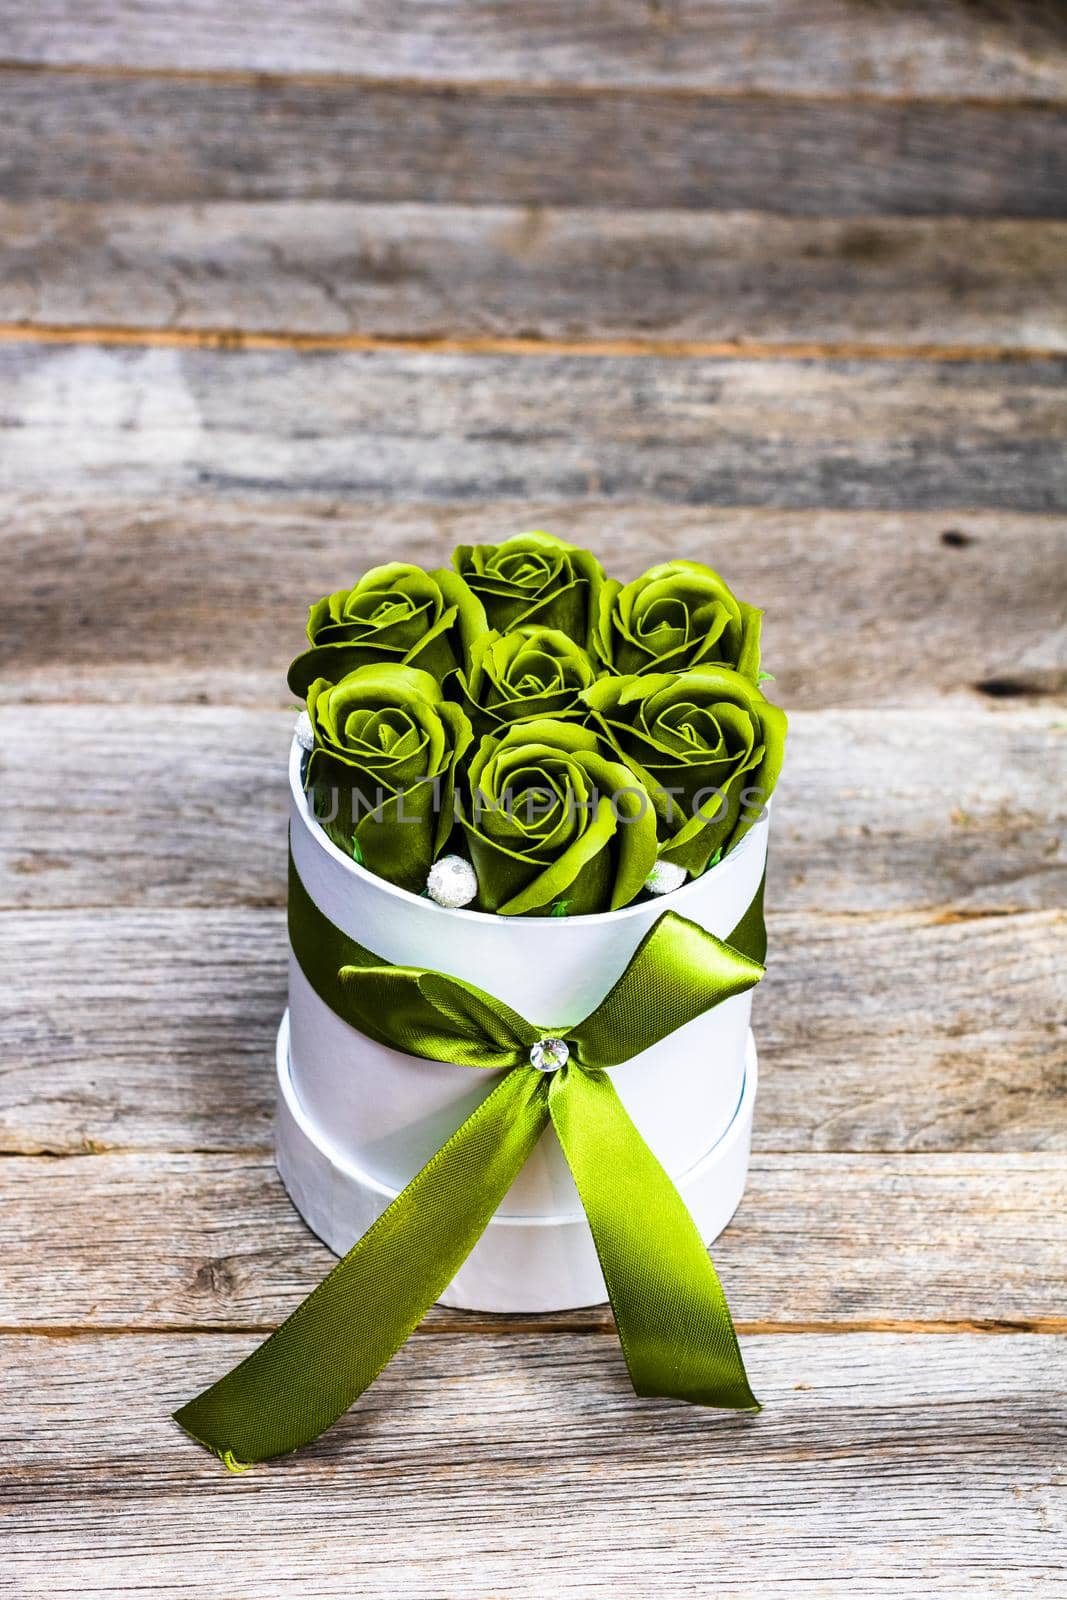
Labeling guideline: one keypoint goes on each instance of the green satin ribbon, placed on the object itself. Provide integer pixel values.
(673, 1321)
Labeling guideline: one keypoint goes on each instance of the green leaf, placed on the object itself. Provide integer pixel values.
(357, 853)
(559, 909)
(766, 677)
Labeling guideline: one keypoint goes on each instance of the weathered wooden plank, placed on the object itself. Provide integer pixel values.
(474, 272)
(389, 425)
(522, 1465)
(962, 1047)
(155, 1029)
(88, 136)
(204, 599)
(913, 48)
(900, 810)
(158, 1241)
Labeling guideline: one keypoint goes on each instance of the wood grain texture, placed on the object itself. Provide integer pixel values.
(154, 1029)
(432, 271)
(914, 48)
(163, 600)
(157, 1241)
(675, 193)
(522, 1466)
(930, 808)
(99, 136)
(86, 421)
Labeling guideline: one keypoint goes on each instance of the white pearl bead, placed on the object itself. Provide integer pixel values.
(305, 733)
(665, 877)
(452, 882)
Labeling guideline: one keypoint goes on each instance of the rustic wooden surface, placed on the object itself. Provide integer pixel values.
(949, 602)
(1004, 49)
(95, 135)
(906, 434)
(338, 270)
(777, 285)
(518, 1464)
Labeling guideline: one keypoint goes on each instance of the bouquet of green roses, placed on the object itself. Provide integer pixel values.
(522, 734)
(525, 735)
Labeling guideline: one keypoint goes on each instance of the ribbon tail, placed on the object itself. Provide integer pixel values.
(674, 1324)
(334, 1345)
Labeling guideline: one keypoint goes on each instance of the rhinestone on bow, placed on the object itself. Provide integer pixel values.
(548, 1055)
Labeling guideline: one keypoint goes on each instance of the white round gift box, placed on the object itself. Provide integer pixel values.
(356, 1120)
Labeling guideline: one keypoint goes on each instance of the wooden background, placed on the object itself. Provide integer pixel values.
(778, 284)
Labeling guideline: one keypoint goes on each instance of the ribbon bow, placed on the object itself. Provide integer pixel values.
(673, 1321)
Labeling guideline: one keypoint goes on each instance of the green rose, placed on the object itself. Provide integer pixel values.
(534, 580)
(528, 674)
(707, 746)
(383, 767)
(395, 613)
(677, 615)
(549, 819)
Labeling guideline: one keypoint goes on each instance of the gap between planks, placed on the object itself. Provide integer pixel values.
(535, 1324)
(912, 48)
(488, 88)
(237, 339)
